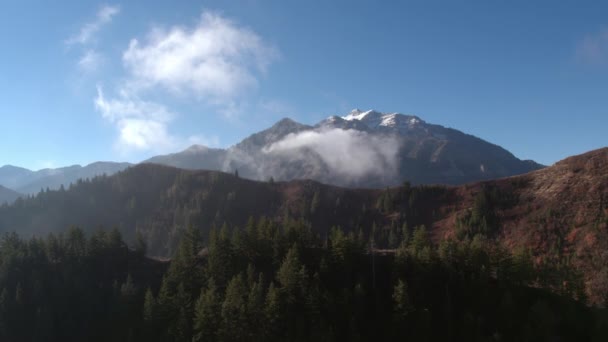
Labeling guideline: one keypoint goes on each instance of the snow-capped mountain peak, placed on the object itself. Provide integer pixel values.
(374, 119)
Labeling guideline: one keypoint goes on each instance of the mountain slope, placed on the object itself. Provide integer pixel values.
(558, 214)
(8, 195)
(13, 176)
(361, 149)
(30, 182)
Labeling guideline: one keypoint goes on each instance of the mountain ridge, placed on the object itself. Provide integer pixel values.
(425, 153)
(359, 149)
(558, 214)
(8, 195)
(27, 181)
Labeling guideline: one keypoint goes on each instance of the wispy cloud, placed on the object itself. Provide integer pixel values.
(216, 62)
(143, 125)
(90, 61)
(594, 47)
(88, 31)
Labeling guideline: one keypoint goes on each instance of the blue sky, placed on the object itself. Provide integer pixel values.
(82, 81)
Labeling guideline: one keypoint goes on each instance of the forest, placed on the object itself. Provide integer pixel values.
(283, 281)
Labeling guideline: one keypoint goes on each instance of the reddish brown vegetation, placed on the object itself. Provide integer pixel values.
(561, 211)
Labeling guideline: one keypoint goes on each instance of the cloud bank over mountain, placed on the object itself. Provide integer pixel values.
(350, 153)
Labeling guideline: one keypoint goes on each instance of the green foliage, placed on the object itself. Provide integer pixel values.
(402, 303)
(331, 289)
(207, 319)
(234, 311)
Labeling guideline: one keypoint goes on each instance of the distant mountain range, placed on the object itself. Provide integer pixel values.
(26, 181)
(8, 195)
(360, 149)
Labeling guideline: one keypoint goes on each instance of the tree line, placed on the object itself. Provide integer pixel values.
(281, 281)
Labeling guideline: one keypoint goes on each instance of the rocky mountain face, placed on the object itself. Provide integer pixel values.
(360, 149)
(8, 195)
(30, 182)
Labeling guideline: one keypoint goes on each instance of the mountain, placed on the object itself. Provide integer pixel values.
(30, 182)
(8, 195)
(558, 215)
(360, 149)
(195, 157)
(13, 176)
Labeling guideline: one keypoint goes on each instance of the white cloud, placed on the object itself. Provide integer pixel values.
(349, 153)
(144, 125)
(594, 48)
(90, 61)
(216, 60)
(88, 31)
(130, 106)
(141, 125)
(144, 134)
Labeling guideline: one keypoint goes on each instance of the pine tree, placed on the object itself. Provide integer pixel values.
(274, 313)
(166, 304)
(207, 314)
(219, 260)
(149, 306)
(76, 243)
(234, 311)
(180, 325)
(128, 288)
(291, 275)
(401, 299)
(255, 310)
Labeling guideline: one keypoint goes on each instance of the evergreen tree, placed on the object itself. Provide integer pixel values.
(255, 310)
(207, 314)
(402, 303)
(219, 260)
(274, 313)
(234, 311)
(291, 275)
(149, 306)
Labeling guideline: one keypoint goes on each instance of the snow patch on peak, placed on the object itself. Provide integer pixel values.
(396, 119)
(357, 114)
(374, 119)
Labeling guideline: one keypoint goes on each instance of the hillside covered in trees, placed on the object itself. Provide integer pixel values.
(279, 282)
(558, 215)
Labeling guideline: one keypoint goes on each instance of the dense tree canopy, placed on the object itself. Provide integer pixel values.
(278, 281)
